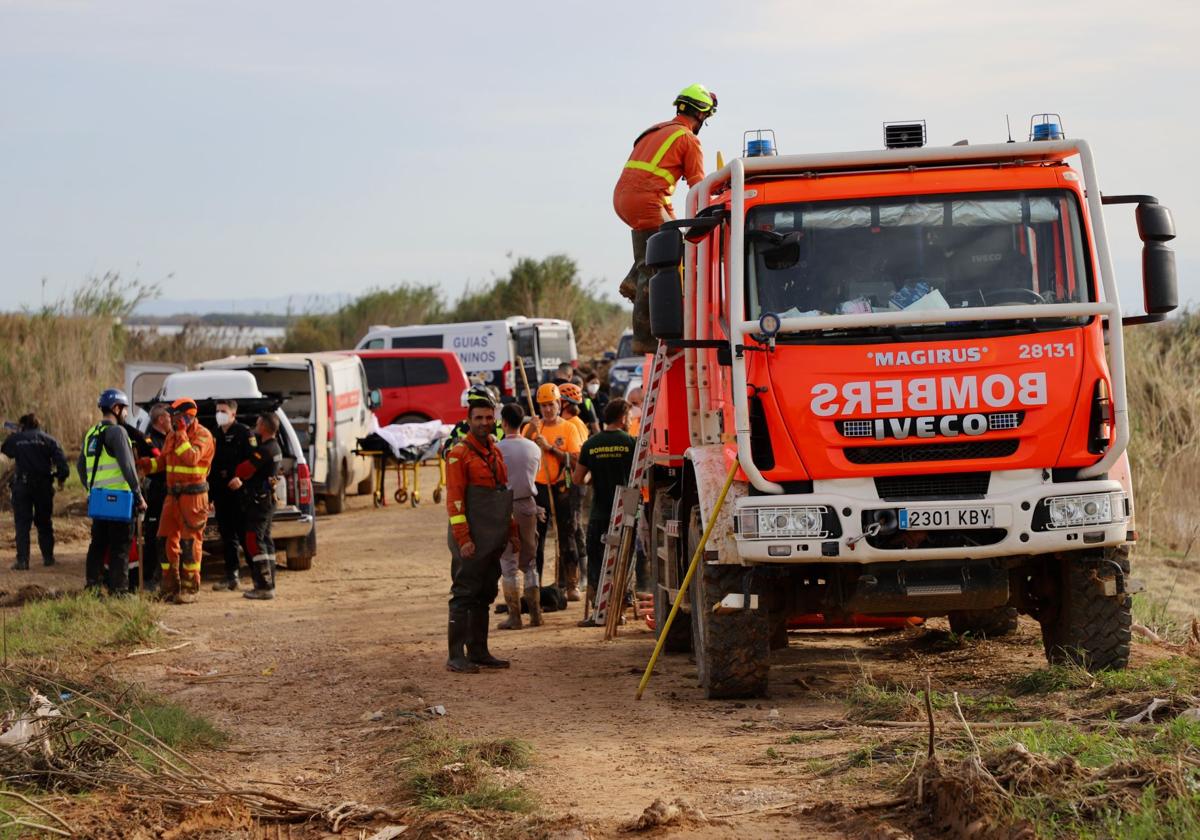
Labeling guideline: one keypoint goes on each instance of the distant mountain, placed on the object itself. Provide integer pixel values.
(296, 304)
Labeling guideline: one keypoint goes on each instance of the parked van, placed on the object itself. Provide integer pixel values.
(293, 523)
(416, 386)
(489, 350)
(327, 400)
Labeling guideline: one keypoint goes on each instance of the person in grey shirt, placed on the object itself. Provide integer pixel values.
(522, 457)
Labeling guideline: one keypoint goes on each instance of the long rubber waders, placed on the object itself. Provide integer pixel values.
(687, 579)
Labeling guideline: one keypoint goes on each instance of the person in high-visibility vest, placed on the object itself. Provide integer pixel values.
(186, 458)
(662, 154)
(106, 461)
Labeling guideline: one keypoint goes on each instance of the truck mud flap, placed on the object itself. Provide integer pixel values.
(926, 588)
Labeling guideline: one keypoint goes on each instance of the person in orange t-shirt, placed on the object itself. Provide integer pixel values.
(662, 154)
(560, 443)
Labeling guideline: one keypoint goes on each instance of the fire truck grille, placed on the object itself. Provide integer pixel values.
(971, 485)
(911, 453)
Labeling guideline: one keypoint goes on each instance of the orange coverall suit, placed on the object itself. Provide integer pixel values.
(186, 457)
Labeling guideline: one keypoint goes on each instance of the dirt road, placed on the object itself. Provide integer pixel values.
(296, 683)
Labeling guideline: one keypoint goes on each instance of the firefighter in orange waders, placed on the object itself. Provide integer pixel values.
(481, 525)
(662, 154)
(187, 454)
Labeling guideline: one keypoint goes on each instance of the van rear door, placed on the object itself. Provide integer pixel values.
(525, 343)
(143, 381)
(351, 417)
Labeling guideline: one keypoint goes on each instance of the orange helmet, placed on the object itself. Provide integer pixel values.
(548, 393)
(571, 392)
(184, 405)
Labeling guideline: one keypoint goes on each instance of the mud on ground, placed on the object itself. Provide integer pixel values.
(319, 691)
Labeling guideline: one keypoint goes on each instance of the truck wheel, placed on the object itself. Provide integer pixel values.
(367, 486)
(336, 502)
(732, 650)
(988, 624)
(665, 575)
(1084, 627)
(296, 559)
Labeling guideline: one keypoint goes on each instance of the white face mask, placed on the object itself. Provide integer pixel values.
(223, 419)
(593, 388)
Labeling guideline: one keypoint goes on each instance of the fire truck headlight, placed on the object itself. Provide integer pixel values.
(1091, 509)
(782, 522)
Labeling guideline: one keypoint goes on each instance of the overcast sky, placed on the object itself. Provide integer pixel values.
(259, 149)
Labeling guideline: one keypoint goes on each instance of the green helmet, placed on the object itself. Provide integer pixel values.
(699, 97)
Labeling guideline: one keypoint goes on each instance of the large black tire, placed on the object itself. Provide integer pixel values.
(732, 650)
(666, 575)
(335, 502)
(367, 486)
(987, 624)
(299, 559)
(1084, 627)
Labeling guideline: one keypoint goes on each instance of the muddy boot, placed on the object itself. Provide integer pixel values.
(589, 609)
(227, 585)
(458, 631)
(20, 566)
(169, 587)
(477, 640)
(573, 593)
(512, 597)
(643, 340)
(533, 598)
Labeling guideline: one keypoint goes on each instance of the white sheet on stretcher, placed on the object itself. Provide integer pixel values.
(418, 437)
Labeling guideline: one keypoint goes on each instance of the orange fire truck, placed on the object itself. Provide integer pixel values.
(915, 357)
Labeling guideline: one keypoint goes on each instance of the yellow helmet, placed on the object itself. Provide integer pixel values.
(548, 393)
(698, 97)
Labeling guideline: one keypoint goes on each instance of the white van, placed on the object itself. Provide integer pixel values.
(293, 524)
(326, 398)
(489, 350)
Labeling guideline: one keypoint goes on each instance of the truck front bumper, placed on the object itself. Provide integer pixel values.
(1016, 501)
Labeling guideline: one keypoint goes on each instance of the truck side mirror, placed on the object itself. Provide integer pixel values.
(1160, 284)
(374, 398)
(664, 249)
(666, 303)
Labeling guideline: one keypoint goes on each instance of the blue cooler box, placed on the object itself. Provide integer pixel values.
(110, 505)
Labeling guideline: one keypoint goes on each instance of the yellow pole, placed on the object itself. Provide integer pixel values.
(687, 579)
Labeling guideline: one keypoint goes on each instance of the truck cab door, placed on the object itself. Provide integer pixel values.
(525, 340)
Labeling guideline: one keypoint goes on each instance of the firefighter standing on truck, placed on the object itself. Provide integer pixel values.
(481, 524)
(662, 154)
(39, 461)
(254, 480)
(187, 456)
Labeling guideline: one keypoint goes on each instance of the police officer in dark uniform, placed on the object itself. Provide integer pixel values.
(254, 482)
(235, 442)
(39, 461)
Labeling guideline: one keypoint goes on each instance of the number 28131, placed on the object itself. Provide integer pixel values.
(1046, 351)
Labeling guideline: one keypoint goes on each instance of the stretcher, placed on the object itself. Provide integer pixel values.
(408, 473)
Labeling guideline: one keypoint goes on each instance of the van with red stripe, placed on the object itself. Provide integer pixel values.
(329, 403)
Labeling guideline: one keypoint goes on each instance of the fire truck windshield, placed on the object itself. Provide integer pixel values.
(916, 252)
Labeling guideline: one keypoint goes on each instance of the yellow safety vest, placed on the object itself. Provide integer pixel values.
(108, 470)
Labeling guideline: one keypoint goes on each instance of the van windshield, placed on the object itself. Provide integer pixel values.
(916, 252)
